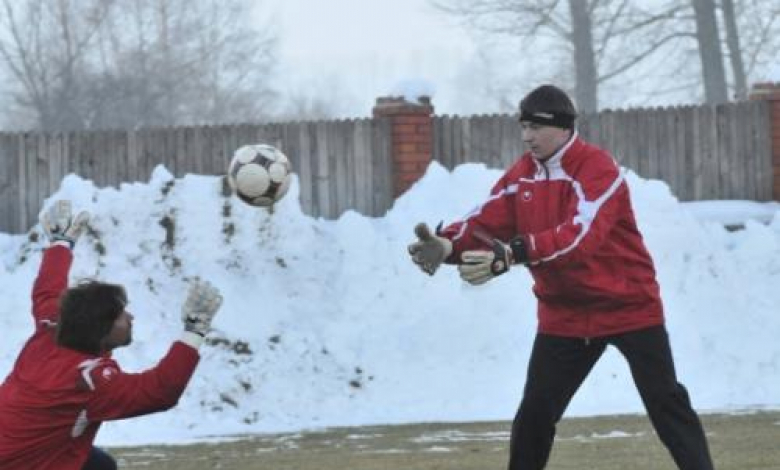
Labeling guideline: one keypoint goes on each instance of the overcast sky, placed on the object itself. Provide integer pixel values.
(353, 51)
(361, 49)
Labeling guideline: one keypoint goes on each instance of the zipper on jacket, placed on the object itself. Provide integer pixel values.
(587, 329)
(543, 164)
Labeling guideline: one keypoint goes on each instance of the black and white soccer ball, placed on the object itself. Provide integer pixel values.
(259, 174)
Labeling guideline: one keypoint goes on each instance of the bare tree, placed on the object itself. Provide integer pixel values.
(184, 62)
(129, 63)
(749, 30)
(734, 48)
(606, 38)
(757, 35)
(710, 52)
(44, 46)
(585, 73)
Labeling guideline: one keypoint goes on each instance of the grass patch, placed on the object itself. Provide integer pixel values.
(737, 441)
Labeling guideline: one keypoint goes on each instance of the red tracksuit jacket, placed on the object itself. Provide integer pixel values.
(592, 274)
(54, 400)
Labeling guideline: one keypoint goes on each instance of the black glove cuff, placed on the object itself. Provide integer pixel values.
(501, 260)
(519, 250)
(189, 326)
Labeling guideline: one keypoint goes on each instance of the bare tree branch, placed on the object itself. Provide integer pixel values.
(640, 57)
(129, 63)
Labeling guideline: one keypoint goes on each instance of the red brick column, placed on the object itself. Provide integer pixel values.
(771, 93)
(412, 138)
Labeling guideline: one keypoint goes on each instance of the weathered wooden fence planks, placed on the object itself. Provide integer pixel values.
(702, 152)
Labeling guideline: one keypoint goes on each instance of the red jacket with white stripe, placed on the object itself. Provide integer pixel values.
(54, 400)
(592, 274)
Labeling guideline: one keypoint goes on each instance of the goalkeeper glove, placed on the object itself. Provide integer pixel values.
(203, 301)
(59, 225)
(430, 251)
(480, 266)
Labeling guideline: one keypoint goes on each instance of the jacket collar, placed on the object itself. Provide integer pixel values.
(555, 160)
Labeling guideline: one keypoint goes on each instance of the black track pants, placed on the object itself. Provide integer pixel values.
(99, 460)
(557, 368)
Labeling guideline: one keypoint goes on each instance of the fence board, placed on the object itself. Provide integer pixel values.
(339, 159)
(763, 143)
(9, 181)
(754, 153)
(508, 148)
(680, 129)
(321, 169)
(306, 173)
(361, 168)
(452, 143)
(723, 143)
(710, 166)
(381, 165)
(697, 181)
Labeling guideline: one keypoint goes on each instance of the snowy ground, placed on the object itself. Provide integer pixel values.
(328, 323)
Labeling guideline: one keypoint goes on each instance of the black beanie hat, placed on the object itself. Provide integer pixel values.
(548, 105)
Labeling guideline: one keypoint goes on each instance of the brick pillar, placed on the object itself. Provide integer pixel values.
(412, 138)
(771, 93)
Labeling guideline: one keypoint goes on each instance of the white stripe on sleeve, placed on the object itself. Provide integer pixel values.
(587, 212)
(511, 189)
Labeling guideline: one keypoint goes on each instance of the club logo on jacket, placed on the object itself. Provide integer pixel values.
(527, 195)
(108, 373)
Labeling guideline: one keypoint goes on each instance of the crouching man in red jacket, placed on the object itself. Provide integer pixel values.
(563, 210)
(64, 383)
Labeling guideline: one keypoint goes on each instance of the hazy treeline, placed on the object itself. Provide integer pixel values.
(87, 64)
(94, 64)
(711, 49)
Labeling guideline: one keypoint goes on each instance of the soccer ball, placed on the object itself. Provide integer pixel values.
(259, 174)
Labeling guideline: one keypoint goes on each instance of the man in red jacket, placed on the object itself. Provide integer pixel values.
(64, 383)
(563, 210)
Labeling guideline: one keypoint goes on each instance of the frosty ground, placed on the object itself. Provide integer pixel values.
(737, 441)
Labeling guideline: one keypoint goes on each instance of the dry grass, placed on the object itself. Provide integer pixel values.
(738, 442)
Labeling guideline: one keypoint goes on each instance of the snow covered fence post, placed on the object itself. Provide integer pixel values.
(412, 137)
(771, 93)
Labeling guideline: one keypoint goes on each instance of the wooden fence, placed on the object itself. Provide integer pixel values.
(703, 152)
(340, 164)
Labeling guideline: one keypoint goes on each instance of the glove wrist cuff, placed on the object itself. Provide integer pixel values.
(519, 250)
(62, 242)
(192, 339)
(60, 238)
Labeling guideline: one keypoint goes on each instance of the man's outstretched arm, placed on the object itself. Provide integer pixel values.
(62, 230)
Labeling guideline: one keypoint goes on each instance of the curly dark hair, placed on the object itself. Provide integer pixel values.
(87, 314)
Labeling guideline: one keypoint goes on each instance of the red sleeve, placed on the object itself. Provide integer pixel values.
(600, 195)
(52, 280)
(119, 395)
(494, 218)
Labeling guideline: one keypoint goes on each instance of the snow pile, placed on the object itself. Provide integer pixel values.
(328, 323)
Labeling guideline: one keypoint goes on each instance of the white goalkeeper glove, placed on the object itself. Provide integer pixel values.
(480, 266)
(59, 225)
(203, 301)
(430, 251)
